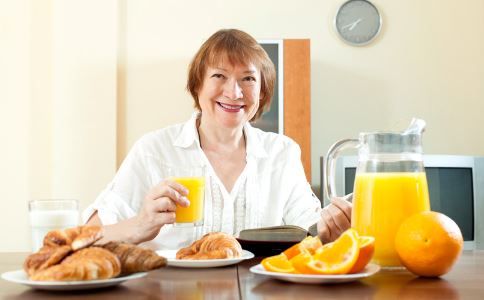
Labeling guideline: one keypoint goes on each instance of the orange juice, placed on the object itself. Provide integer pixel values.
(381, 201)
(196, 191)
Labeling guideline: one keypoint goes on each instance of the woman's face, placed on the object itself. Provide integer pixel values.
(230, 94)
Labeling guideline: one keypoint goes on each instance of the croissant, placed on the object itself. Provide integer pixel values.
(134, 258)
(213, 245)
(86, 264)
(47, 256)
(77, 237)
(58, 244)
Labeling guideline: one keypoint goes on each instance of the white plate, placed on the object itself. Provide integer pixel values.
(203, 263)
(317, 279)
(21, 277)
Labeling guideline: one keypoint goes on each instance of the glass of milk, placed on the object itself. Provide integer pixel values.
(50, 214)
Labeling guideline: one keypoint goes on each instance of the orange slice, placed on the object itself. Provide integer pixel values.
(309, 244)
(300, 261)
(278, 263)
(337, 257)
(367, 247)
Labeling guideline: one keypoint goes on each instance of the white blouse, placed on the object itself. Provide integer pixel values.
(272, 189)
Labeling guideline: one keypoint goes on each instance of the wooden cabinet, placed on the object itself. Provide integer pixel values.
(297, 97)
(290, 111)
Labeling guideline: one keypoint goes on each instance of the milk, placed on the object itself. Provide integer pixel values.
(43, 221)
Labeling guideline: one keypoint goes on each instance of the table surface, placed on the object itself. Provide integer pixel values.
(464, 281)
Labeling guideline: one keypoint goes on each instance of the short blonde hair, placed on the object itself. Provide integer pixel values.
(239, 48)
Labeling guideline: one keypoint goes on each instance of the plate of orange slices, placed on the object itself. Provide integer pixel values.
(369, 270)
(309, 261)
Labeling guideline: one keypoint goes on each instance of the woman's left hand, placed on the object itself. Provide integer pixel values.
(335, 219)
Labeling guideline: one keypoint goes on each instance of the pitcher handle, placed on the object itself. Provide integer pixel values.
(330, 167)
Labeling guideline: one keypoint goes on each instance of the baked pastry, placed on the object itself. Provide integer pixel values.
(86, 264)
(134, 258)
(68, 255)
(77, 237)
(44, 258)
(60, 243)
(214, 245)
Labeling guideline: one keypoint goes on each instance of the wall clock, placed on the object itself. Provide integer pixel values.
(357, 22)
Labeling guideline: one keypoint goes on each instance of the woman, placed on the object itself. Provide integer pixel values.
(254, 178)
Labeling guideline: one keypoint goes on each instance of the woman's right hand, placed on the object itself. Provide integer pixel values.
(158, 209)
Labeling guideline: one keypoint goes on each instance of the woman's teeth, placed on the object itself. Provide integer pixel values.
(227, 106)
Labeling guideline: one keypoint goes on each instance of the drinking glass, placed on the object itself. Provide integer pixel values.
(51, 214)
(192, 178)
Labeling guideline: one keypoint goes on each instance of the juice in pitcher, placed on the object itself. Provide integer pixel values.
(381, 202)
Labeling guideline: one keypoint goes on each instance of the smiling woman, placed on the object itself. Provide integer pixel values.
(253, 178)
(230, 94)
(233, 48)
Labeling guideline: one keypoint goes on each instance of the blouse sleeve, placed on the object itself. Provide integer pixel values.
(123, 196)
(302, 207)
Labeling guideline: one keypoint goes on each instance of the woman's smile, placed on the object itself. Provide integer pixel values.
(230, 108)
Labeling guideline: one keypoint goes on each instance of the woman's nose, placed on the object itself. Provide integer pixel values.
(232, 90)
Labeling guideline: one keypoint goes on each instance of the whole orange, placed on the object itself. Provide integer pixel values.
(428, 243)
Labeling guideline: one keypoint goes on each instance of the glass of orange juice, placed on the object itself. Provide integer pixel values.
(193, 179)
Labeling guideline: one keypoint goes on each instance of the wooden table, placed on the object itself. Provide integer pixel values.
(465, 281)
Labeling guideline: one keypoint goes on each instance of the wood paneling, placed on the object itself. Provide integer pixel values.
(297, 97)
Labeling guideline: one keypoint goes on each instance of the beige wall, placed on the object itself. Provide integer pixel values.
(58, 107)
(82, 80)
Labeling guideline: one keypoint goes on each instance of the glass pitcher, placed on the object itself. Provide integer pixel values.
(390, 185)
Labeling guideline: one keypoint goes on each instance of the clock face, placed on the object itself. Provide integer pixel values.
(357, 22)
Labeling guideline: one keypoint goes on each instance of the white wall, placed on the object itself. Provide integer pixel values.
(84, 79)
(58, 106)
(84, 65)
(14, 124)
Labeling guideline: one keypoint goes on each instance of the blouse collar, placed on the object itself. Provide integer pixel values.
(189, 136)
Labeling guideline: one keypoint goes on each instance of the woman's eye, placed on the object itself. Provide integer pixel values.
(248, 81)
(217, 75)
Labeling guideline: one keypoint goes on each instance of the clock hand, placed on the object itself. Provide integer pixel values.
(352, 25)
(355, 23)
